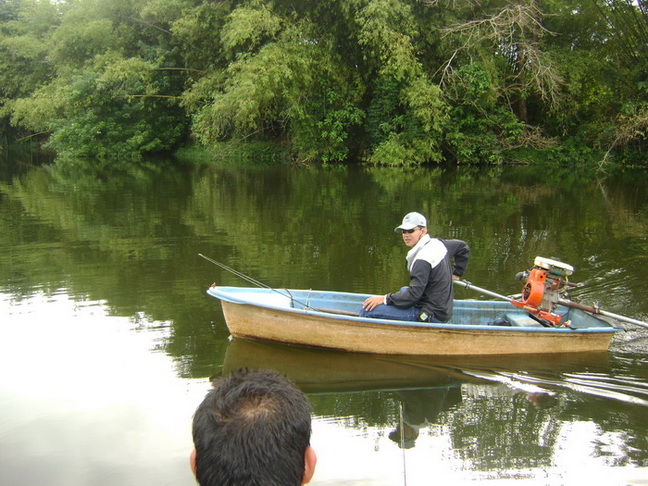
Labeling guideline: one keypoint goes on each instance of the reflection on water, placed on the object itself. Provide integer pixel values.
(504, 417)
(85, 398)
(420, 409)
(324, 371)
(107, 339)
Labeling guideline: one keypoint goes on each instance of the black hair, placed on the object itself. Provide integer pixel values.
(252, 429)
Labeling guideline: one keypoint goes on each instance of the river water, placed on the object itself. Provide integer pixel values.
(108, 340)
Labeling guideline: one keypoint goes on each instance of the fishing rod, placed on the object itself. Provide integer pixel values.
(566, 303)
(239, 274)
(287, 293)
(402, 441)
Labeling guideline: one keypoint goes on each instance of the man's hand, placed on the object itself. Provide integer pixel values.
(456, 277)
(371, 302)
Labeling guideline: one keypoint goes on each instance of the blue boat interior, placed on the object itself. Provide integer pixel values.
(466, 312)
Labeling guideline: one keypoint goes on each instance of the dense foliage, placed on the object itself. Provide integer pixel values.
(387, 82)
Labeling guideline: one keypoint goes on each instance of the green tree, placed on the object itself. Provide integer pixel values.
(406, 108)
(602, 57)
(283, 80)
(293, 75)
(115, 92)
(25, 28)
(384, 82)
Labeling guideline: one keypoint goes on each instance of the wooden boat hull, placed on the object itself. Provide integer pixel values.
(260, 314)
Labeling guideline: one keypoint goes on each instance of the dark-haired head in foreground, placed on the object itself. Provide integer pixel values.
(253, 428)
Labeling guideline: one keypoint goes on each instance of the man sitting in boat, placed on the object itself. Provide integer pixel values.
(430, 294)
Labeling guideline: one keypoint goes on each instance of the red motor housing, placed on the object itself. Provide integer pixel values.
(543, 289)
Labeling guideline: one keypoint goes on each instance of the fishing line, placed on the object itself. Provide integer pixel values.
(256, 282)
(236, 272)
(287, 293)
(402, 442)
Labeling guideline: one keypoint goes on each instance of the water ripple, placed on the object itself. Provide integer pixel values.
(627, 389)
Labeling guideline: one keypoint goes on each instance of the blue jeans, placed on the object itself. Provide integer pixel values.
(392, 312)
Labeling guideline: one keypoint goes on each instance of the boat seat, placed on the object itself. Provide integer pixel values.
(522, 320)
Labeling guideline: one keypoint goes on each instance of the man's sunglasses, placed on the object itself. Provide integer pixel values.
(410, 231)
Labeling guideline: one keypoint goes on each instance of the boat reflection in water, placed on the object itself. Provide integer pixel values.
(318, 370)
(418, 388)
(468, 418)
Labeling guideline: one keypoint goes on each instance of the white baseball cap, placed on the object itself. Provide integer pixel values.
(411, 221)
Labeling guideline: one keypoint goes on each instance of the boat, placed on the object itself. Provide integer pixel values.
(329, 319)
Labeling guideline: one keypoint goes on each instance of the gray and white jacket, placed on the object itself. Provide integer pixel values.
(430, 264)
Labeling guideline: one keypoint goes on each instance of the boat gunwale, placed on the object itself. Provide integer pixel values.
(227, 297)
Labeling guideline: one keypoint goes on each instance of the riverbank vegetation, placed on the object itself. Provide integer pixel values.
(383, 82)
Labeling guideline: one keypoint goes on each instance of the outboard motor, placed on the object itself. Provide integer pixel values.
(545, 285)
